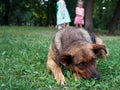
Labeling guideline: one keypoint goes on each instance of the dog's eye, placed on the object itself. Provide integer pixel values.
(81, 65)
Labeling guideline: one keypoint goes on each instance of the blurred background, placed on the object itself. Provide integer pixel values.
(102, 14)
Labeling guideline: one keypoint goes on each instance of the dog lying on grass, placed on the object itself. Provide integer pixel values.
(77, 50)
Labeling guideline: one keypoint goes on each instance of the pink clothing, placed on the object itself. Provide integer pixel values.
(79, 19)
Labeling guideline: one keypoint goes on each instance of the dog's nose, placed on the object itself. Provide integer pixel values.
(97, 77)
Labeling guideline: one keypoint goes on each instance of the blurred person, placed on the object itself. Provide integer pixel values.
(63, 18)
(79, 19)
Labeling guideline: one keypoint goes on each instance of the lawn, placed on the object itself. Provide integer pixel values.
(23, 56)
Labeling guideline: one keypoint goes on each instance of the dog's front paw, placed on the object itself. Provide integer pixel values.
(62, 83)
(60, 79)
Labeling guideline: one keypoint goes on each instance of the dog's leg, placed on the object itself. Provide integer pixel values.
(56, 70)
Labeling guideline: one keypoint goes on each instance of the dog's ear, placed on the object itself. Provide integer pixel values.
(66, 59)
(97, 47)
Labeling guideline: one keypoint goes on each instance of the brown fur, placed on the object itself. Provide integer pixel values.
(74, 48)
(96, 40)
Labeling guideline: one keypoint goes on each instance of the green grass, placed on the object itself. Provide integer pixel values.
(23, 56)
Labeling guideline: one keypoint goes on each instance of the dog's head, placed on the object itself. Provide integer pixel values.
(82, 60)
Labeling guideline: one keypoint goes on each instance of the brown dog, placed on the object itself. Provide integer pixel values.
(75, 49)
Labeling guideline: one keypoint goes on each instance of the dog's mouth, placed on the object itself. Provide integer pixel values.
(97, 77)
(90, 75)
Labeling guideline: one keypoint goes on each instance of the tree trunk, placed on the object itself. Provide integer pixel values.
(115, 17)
(6, 15)
(88, 15)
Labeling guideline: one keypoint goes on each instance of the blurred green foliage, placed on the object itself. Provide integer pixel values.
(43, 12)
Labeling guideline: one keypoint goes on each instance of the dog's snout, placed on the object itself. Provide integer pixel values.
(96, 76)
